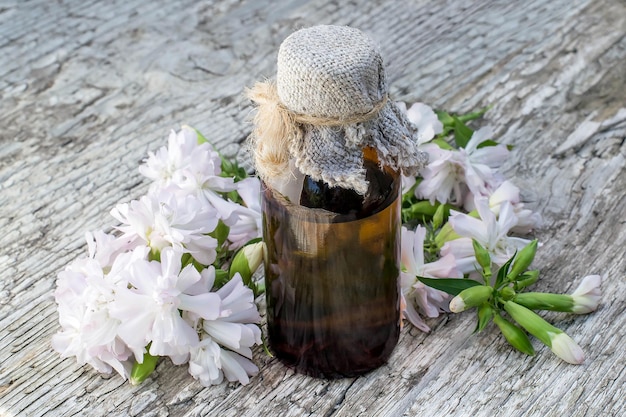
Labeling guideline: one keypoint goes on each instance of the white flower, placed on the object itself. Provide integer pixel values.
(247, 224)
(565, 348)
(209, 364)
(588, 294)
(235, 328)
(527, 220)
(480, 164)
(205, 362)
(426, 121)
(225, 348)
(421, 299)
(104, 247)
(237, 367)
(117, 302)
(162, 166)
(149, 309)
(452, 175)
(185, 165)
(88, 331)
(443, 177)
(164, 220)
(489, 231)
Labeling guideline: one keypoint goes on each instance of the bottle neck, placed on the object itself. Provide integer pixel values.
(343, 201)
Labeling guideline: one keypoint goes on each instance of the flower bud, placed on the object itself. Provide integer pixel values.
(523, 259)
(246, 261)
(514, 335)
(507, 293)
(559, 342)
(470, 297)
(439, 216)
(142, 370)
(482, 257)
(587, 296)
(565, 348)
(583, 300)
(446, 234)
(485, 314)
(420, 209)
(526, 279)
(545, 301)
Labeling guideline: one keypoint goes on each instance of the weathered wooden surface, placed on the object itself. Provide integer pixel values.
(88, 87)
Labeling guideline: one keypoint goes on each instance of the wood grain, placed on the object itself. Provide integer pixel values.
(87, 88)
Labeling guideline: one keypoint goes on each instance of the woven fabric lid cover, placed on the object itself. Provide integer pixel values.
(336, 73)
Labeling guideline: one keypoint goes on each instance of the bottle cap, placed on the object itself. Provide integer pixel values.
(329, 101)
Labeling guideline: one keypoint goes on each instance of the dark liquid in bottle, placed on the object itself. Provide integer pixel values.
(318, 194)
(332, 278)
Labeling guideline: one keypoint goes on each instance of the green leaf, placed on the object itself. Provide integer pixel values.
(503, 271)
(473, 115)
(221, 278)
(445, 118)
(234, 196)
(442, 144)
(220, 233)
(141, 371)
(486, 143)
(462, 133)
(452, 286)
(449, 123)
(201, 138)
(186, 259)
(231, 169)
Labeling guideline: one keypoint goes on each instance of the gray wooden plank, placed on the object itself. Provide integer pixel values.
(88, 87)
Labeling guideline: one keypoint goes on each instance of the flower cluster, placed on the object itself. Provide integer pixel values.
(468, 214)
(156, 286)
(175, 277)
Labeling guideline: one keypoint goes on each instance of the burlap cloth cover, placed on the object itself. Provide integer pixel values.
(328, 102)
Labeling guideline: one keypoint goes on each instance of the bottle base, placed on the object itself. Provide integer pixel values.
(340, 356)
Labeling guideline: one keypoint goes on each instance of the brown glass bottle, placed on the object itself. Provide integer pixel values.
(332, 276)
